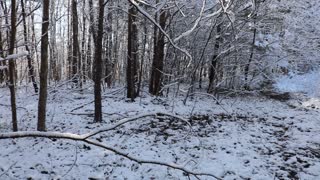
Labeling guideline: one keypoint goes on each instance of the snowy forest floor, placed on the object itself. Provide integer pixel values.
(247, 137)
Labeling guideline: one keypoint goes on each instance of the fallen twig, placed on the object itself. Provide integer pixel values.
(6, 171)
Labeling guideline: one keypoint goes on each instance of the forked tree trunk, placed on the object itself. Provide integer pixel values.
(44, 67)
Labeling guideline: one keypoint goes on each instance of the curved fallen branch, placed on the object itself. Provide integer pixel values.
(142, 161)
(127, 120)
(85, 138)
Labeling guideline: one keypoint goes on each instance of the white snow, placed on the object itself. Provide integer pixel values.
(261, 139)
(307, 83)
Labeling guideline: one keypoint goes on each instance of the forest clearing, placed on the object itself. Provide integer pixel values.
(159, 89)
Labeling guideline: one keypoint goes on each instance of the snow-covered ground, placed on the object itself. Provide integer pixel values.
(306, 83)
(246, 137)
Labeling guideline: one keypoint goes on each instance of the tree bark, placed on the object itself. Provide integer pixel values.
(3, 72)
(158, 58)
(69, 44)
(89, 57)
(44, 68)
(132, 53)
(98, 66)
(12, 66)
(75, 45)
(53, 70)
(213, 66)
(30, 62)
(83, 43)
(143, 56)
(246, 70)
(108, 58)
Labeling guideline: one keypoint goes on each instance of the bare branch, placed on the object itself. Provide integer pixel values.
(187, 33)
(148, 16)
(142, 161)
(14, 56)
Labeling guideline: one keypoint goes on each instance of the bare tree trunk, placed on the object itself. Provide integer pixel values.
(53, 74)
(97, 66)
(108, 62)
(92, 23)
(213, 66)
(89, 57)
(44, 68)
(155, 54)
(75, 44)
(143, 57)
(34, 43)
(158, 58)
(69, 52)
(3, 72)
(92, 40)
(83, 43)
(30, 62)
(246, 70)
(132, 53)
(201, 59)
(12, 66)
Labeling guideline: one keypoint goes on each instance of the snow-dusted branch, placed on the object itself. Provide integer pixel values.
(142, 161)
(127, 120)
(148, 16)
(214, 13)
(57, 135)
(14, 56)
(85, 138)
(187, 33)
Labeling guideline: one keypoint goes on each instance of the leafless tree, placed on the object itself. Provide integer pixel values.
(44, 68)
